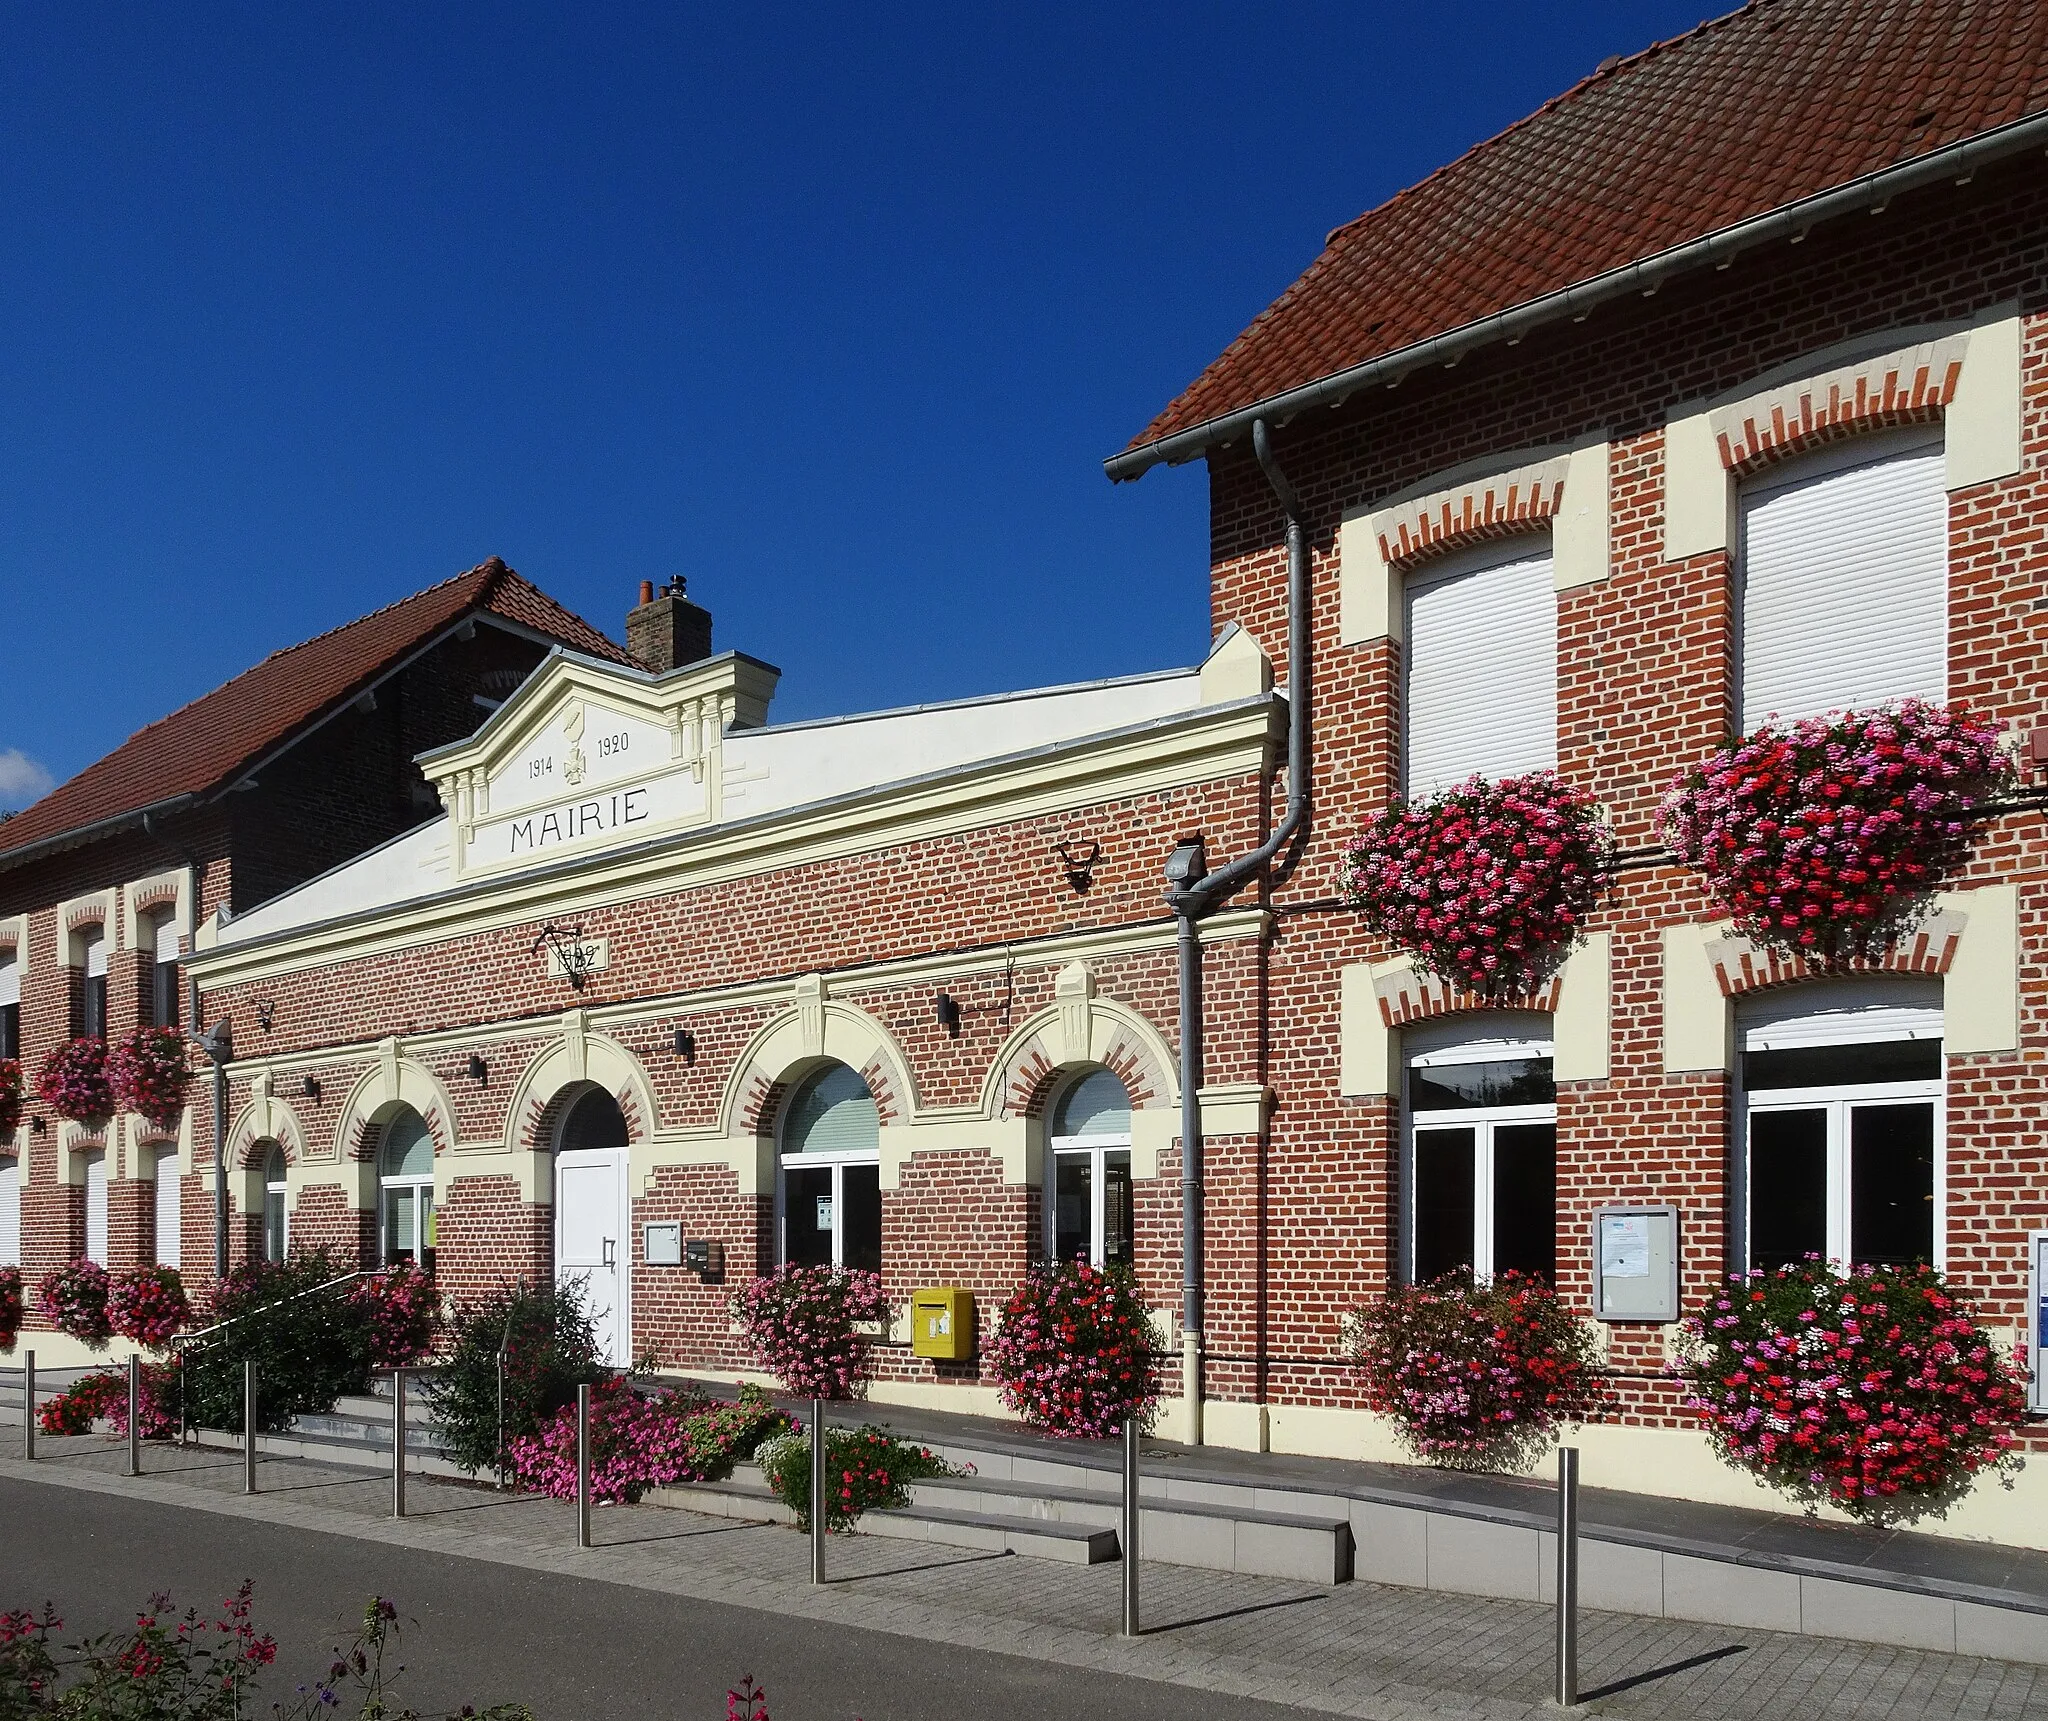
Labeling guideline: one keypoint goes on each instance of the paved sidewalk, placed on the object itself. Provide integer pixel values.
(1355, 1649)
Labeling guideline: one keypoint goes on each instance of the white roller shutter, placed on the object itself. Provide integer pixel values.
(168, 1230)
(10, 1212)
(1482, 669)
(10, 978)
(167, 939)
(1845, 584)
(96, 1208)
(96, 953)
(1841, 1013)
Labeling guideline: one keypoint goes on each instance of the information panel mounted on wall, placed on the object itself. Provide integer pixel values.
(2037, 1321)
(1635, 1263)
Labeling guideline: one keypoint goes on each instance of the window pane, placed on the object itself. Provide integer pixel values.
(1098, 1104)
(860, 1226)
(1443, 1201)
(1071, 1178)
(1117, 1238)
(1463, 1087)
(273, 1225)
(832, 1112)
(807, 1216)
(407, 1149)
(1788, 1187)
(398, 1225)
(1525, 1199)
(1842, 1066)
(1891, 1184)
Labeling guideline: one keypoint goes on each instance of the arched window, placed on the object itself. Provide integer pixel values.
(593, 1120)
(405, 1172)
(831, 1184)
(276, 1239)
(1842, 1113)
(1088, 1133)
(1481, 1147)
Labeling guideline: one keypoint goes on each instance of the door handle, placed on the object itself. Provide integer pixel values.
(611, 1252)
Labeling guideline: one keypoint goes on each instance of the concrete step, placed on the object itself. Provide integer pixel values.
(343, 1453)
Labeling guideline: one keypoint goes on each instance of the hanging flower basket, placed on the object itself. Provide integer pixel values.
(147, 1073)
(1873, 1389)
(73, 1081)
(1075, 1352)
(148, 1305)
(1489, 884)
(1826, 838)
(10, 1095)
(803, 1325)
(10, 1307)
(73, 1299)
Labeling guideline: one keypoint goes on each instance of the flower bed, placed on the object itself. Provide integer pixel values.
(147, 1072)
(402, 1309)
(865, 1470)
(11, 1085)
(1489, 884)
(803, 1324)
(544, 1333)
(1075, 1352)
(1475, 1376)
(641, 1440)
(73, 1299)
(11, 1307)
(1824, 838)
(1874, 1389)
(105, 1394)
(148, 1305)
(73, 1081)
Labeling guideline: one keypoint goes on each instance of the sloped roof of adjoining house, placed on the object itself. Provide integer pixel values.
(1749, 113)
(205, 746)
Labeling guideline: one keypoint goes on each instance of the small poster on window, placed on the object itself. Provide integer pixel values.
(824, 1213)
(1625, 1245)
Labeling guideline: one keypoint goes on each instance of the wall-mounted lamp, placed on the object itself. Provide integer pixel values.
(311, 1089)
(479, 1071)
(948, 1009)
(686, 1045)
(1078, 861)
(40, 1125)
(266, 1013)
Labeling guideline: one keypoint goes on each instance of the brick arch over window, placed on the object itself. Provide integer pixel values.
(1408, 995)
(260, 1122)
(1496, 506)
(1741, 966)
(1915, 386)
(1064, 1038)
(790, 1046)
(561, 1074)
(379, 1092)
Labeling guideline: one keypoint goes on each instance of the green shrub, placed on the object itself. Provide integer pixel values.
(308, 1349)
(550, 1348)
(864, 1468)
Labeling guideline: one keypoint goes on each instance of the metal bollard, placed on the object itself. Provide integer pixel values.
(135, 1413)
(818, 1460)
(1129, 1534)
(501, 1421)
(398, 1443)
(28, 1404)
(249, 1426)
(1567, 1576)
(184, 1416)
(583, 1465)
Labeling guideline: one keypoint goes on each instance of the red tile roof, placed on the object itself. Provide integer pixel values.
(204, 746)
(1779, 101)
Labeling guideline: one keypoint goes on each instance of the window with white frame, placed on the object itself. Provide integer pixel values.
(1841, 1107)
(831, 1182)
(96, 1208)
(169, 1210)
(1088, 1143)
(1480, 634)
(1844, 580)
(405, 1177)
(91, 947)
(276, 1217)
(10, 1002)
(1481, 1148)
(160, 947)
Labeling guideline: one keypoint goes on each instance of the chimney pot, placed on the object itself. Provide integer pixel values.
(666, 631)
(647, 591)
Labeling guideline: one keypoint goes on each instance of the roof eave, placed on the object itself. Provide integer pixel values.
(1958, 160)
(79, 835)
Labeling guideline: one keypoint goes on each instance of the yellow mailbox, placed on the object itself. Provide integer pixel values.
(942, 1323)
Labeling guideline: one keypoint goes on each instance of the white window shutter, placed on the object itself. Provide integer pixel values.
(10, 1211)
(1482, 669)
(169, 1243)
(96, 953)
(1845, 585)
(96, 1208)
(167, 938)
(10, 983)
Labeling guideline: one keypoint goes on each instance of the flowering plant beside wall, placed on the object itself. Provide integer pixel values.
(10, 1094)
(544, 1334)
(803, 1325)
(402, 1306)
(147, 1072)
(1825, 837)
(865, 1470)
(1075, 1352)
(73, 1080)
(1873, 1389)
(11, 1309)
(105, 1393)
(1475, 1376)
(643, 1440)
(1489, 884)
(73, 1299)
(148, 1305)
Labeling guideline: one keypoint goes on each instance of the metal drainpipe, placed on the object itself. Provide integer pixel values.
(1198, 893)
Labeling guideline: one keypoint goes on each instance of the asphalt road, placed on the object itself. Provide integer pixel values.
(574, 1649)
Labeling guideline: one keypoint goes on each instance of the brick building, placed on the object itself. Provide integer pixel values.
(286, 771)
(1717, 387)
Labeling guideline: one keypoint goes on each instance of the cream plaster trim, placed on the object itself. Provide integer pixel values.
(751, 1158)
(1368, 591)
(1199, 746)
(1580, 1026)
(1698, 498)
(1236, 668)
(264, 1118)
(1698, 1031)
(1580, 531)
(75, 1145)
(1983, 418)
(783, 1048)
(76, 911)
(14, 936)
(1154, 1130)
(1980, 994)
(579, 1056)
(141, 1144)
(1365, 1044)
(392, 1081)
(1235, 1108)
(1005, 1141)
(179, 882)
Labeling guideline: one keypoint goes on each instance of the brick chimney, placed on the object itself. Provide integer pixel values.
(668, 631)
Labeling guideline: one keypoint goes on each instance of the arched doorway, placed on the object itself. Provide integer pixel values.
(594, 1214)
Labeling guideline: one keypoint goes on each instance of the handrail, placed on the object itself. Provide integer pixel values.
(309, 1291)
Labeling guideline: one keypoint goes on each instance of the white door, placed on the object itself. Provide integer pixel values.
(593, 1242)
(10, 1212)
(96, 1208)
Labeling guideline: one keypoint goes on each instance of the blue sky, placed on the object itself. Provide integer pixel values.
(834, 311)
